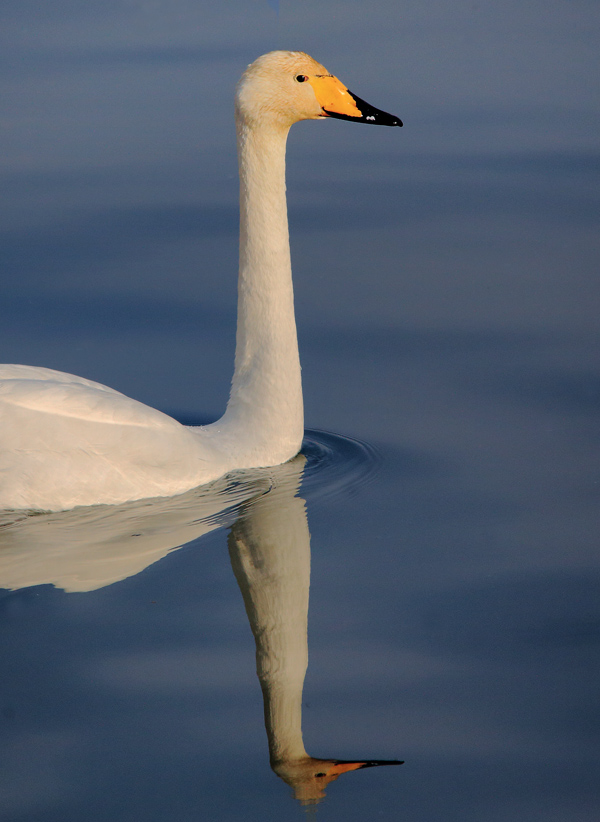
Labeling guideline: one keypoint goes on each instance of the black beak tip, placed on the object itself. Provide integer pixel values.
(368, 114)
(382, 118)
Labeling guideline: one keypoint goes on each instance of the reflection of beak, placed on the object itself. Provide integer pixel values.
(337, 101)
(344, 765)
(314, 775)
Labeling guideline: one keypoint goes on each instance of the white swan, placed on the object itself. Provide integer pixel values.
(67, 441)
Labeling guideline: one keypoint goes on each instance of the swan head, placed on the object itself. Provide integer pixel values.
(283, 87)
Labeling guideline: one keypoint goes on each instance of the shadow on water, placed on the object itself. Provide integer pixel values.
(269, 546)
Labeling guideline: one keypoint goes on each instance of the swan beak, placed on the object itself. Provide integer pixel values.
(337, 101)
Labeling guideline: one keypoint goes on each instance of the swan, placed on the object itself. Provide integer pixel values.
(66, 441)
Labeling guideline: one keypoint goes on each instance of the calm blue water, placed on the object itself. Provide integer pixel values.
(446, 282)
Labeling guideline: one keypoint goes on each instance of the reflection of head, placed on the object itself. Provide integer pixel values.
(309, 777)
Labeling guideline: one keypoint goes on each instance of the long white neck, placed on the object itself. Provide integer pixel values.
(264, 418)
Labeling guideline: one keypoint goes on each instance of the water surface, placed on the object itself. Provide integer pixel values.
(446, 291)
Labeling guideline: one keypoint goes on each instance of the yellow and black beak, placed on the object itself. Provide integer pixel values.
(338, 101)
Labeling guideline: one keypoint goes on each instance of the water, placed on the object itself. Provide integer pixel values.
(446, 292)
(160, 666)
(432, 638)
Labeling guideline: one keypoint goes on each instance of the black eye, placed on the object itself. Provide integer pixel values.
(301, 78)
(320, 774)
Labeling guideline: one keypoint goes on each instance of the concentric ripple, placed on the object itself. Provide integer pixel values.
(336, 465)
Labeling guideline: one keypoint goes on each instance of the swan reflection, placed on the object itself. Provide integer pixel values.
(269, 547)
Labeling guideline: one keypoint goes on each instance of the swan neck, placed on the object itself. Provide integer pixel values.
(265, 405)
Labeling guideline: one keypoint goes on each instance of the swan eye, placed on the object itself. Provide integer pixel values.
(320, 774)
(301, 78)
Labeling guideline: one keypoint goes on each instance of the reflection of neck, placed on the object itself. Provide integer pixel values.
(270, 556)
(269, 548)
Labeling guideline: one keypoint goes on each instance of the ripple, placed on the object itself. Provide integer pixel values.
(90, 547)
(336, 465)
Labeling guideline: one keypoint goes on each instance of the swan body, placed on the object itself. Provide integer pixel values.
(67, 441)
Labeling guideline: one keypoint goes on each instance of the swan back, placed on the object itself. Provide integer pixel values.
(67, 441)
